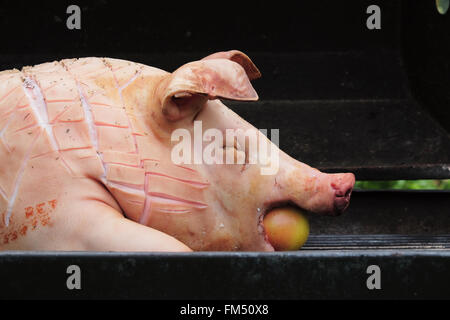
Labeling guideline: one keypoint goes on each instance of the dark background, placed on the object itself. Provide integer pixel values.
(115, 27)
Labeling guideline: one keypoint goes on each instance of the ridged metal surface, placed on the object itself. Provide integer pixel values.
(374, 242)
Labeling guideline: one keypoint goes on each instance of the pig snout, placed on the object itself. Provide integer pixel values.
(343, 185)
(314, 191)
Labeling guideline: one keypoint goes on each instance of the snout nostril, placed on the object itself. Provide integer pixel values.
(349, 192)
(342, 194)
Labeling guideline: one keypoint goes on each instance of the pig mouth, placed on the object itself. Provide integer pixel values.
(333, 205)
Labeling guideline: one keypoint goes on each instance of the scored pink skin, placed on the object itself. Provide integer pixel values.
(85, 147)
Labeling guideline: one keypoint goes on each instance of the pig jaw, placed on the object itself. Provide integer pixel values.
(247, 197)
(237, 203)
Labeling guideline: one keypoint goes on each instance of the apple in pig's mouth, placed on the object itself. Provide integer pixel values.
(284, 226)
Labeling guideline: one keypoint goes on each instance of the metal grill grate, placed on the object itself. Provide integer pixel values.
(373, 242)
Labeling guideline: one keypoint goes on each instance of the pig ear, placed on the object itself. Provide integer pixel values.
(241, 58)
(185, 92)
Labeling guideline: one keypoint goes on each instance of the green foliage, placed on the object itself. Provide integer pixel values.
(404, 185)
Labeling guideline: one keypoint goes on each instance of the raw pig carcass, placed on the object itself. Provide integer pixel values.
(86, 160)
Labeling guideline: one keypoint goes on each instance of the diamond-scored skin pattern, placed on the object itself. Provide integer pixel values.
(85, 117)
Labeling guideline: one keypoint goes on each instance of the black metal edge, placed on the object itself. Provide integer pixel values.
(224, 276)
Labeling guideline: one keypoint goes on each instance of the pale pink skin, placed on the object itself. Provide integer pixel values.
(85, 149)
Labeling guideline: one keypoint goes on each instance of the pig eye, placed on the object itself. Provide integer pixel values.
(183, 100)
(239, 153)
(188, 104)
(196, 115)
(231, 144)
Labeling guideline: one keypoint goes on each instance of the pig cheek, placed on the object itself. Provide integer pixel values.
(241, 195)
(224, 183)
(234, 187)
(238, 194)
(223, 237)
(220, 222)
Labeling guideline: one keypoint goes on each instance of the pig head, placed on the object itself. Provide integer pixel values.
(220, 206)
